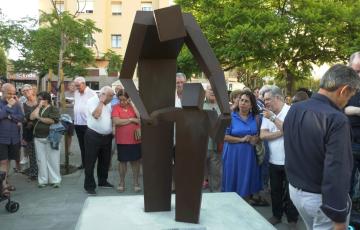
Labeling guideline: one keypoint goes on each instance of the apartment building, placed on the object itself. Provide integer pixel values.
(113, 17)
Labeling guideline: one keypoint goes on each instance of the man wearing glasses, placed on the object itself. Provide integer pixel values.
(319, 159)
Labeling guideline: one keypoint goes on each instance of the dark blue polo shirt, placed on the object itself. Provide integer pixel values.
(318, 157)
(9, 119)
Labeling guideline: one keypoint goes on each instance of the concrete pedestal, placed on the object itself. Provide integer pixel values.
(218, 211)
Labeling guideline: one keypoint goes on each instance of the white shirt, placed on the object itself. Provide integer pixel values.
(103, 124)
(177, 101)
(80, 106)
(276, 146)
(177, 105)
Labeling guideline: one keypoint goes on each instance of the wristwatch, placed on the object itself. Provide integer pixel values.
(272, 118)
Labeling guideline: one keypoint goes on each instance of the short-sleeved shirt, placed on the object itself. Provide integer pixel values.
(9, 119)
(103, 124)
(41, 130)
(80, 106)
(276, 146)
(355, 120)
(124, 134)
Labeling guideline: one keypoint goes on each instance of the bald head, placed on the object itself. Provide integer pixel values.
(354, 62)
(8, 91)
(7, 86)
(107, 92)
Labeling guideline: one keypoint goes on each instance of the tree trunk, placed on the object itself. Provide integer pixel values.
(61, 94)
(289, 80)
(60, 69)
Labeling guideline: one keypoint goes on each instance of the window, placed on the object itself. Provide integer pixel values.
(89, 42)
(116, 40)
(146, 6)
(60, 7)
(116, 8)
(86, 6)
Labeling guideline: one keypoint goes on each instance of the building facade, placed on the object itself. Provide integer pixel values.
(113, 17)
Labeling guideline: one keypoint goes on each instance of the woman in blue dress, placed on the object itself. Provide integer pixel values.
(241, 173)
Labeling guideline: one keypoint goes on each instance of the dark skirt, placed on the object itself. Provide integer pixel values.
(130, 152)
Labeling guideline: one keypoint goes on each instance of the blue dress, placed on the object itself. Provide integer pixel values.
(241, 173)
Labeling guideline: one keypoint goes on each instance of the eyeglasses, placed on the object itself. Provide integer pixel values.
(25, 90)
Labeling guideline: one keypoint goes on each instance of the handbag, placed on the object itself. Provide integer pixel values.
(259, 147)
(137, 134)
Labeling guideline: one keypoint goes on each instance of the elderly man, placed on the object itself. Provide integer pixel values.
(98, 139)
(271, 130)
(180, 81)
(318, 151)
(1, 84)
(81, 96)
(213, 162)
(11, 116)
(353, 111)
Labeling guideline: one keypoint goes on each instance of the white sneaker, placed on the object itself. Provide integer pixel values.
(25, 160)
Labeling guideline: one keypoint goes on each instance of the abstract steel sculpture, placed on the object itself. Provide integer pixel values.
(155, 42)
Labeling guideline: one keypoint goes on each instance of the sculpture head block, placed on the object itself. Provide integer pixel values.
(169, 23)
(193, 96)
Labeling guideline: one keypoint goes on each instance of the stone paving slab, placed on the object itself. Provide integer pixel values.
(59, 209)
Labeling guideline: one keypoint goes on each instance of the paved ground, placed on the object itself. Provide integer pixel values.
(59, 209)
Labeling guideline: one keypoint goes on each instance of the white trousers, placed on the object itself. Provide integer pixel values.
(48, 161)
(308, 204)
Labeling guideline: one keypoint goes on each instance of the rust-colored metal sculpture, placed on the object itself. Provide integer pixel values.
(155, 42)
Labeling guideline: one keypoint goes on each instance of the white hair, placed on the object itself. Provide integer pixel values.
(106, 89)
(263, 89)
(80, 80)
(26, 86)
(181, 75)
(355, 57)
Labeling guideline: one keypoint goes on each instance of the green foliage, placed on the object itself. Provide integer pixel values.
(115, 61)
(3, 63)
(60, 42)
(187, 64)
(281, 38)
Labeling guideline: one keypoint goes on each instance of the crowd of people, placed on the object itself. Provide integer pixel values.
(299, 149)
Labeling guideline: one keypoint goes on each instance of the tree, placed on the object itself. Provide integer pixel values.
(114, 61)
(3, 63)
(279, 36)
(187, 64)
(65, 38)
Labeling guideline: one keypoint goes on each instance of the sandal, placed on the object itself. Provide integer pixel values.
(261, 202)
(10, 188)
(121, 188)
(5, 192)
(137, 188)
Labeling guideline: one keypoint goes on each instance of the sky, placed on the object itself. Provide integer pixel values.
(17, 9)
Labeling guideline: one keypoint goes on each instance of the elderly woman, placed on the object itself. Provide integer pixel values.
(28, 128)
(126, 120)
(48, 159)
(241, 173)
